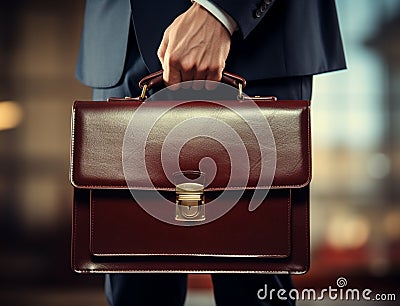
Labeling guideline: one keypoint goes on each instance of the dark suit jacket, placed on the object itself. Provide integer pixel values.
(276, 38)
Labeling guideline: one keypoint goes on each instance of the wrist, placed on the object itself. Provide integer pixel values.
(225, 19)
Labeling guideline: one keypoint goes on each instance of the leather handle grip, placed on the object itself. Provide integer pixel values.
(155, 78)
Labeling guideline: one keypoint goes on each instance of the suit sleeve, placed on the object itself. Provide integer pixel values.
(246, 13)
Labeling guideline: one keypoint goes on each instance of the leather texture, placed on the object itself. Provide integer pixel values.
(98, 131)
(112, 233)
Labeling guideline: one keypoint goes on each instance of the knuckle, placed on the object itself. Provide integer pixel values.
(173, 60)
(216, 67)
(170, 77)
(187, 66)
(166, 78)
(202, 69)
(215, 75)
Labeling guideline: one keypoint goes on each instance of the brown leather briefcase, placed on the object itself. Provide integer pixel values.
(249, 213)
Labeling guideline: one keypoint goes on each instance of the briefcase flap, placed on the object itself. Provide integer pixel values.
(115, 141)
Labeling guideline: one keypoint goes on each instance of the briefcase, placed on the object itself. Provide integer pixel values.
(190, 185)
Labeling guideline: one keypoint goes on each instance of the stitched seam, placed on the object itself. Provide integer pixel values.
(91, 205)
(308, 229)
(173, 189)
(194, 254)
(72, 143)
(289, 228)
(190, 271)
(74, 233)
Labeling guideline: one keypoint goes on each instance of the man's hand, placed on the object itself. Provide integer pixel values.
(194, 47)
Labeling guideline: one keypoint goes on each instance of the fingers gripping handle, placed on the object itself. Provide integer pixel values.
(156, 78)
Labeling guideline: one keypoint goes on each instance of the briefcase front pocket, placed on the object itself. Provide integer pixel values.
(121, 227)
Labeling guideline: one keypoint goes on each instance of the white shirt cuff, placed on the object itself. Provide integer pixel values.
(218, 13)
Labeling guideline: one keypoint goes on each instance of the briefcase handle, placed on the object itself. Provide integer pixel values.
(155, 79)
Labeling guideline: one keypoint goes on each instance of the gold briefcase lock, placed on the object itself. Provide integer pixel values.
(190, 202)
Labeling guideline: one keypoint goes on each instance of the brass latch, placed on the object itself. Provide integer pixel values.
(190, 202)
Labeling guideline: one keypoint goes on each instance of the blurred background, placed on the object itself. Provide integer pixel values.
(356, 157)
